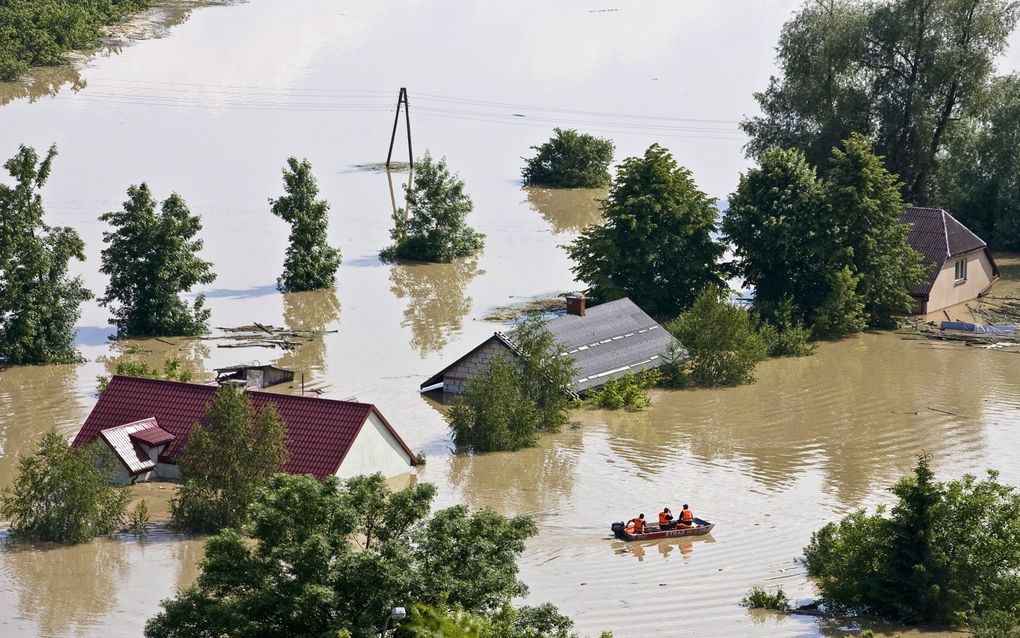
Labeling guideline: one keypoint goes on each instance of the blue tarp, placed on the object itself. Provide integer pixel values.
(977, 327)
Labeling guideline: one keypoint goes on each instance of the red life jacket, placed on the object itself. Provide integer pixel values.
(687, 516)
(639, 525)
(664, 519)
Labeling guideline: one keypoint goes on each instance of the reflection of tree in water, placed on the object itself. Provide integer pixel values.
(437, 300)
(533, 480)
(192, 353)
(313, 311)
(42, 82)
(33, 401)
(64, 587)
(567, 209)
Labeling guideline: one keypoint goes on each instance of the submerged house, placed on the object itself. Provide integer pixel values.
(147, 421)
(253, 375)
(605, 341)
(960, 266)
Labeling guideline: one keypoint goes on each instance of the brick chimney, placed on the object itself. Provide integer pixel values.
(576, 305)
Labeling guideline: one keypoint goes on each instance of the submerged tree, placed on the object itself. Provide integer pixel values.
(656, 245)
(495, 413)
(224, 462)
(544, 373)
(434, 226)
(39, 301)
(152, 259)
(311, 263)
(570, 160)
(64, 494)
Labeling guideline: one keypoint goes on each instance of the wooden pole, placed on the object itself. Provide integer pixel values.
(407, 120)
(396, 120)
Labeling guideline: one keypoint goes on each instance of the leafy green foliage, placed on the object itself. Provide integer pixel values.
(173, 370)
(570, 160)
(785, 336)
(151, 259)
(722, 343)
(903, 72)
(946, 553)
(543, 373)
(311, 263)
(656, 245)
(306, 570)
(40, 32)
(39, 301)
(494, 413)
(138, 518)
(224, 462)
(980, 181)
(759, 598)
(996, 624)
(434, 226)
(629, 392)
(64, 494)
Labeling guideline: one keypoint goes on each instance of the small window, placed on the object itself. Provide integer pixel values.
(961, 270)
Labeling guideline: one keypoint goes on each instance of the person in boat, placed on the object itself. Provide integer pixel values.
(666, 519)
(686, 517)
(638, 523)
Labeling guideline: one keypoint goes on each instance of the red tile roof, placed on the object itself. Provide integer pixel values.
(152, 435)
(320, 432)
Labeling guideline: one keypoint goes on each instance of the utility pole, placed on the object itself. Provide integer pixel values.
(401, 99)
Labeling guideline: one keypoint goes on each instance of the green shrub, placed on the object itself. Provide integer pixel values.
(783, 335)
(758, 598)
(629, 392)
(996, 624)
(570, 160)
(138, 518)
(494, 413)
(172, 370)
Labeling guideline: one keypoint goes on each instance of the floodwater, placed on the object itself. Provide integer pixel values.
(213, 110)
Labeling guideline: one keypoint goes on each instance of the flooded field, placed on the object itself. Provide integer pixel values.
(213, 111)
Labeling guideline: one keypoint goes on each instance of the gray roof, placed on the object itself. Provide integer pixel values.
(938, 236)
(611, 339)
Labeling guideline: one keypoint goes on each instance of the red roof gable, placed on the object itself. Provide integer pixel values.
(320, 432)
(153, 435)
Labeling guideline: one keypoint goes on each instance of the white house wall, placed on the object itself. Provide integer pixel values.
(945, 292)
(375, 450)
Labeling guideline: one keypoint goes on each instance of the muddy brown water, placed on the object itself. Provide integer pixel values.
(213, 110)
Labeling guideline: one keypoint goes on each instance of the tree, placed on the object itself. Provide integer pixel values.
(172, 370)
(225, 461)
(433, 227)
(152, 258)
(903, 72)
(871, 239)
(63, 494)
(722, 344)
(913, 564)
(980, 183)
(543, 621)
(494, 412)
(311, 263)
(570, 160)
(780, 231)
(656, 245)
(39, 301)
(305, 571)
(544, 374)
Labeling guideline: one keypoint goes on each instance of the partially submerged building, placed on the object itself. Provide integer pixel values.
(605, 341)
(960, 266)
(253, 375)
(146, 423)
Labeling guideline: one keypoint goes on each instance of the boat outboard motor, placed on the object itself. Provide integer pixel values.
(618, 528)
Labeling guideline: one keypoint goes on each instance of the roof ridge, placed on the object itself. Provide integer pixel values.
(945, 231)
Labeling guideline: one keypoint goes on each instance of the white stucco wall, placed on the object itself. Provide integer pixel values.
(375, 450)
(946, 292)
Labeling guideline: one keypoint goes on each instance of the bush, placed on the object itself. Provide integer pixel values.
(138, 518)
(722, 344)
(629, 392)
(945, 554)
(996, 624)
(570, 160)
(433, 227)
(495, 413)
(783, 335)
(172, 370)
(758, 598)
(63, 494)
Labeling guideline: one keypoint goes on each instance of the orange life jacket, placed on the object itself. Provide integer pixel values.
(639, 525)
(687, 516)
(664, 519)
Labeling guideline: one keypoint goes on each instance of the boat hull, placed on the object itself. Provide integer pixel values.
(652, 532)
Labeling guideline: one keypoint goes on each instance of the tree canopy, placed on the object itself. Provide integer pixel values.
(656, 245)
(39, 301)
(41, 32)
(543, 373)
(311, 263)
(152, 258)
(433, 227)
(570, 160)
(318, 558)
(903, 72)
(494, 413)
(63, 494)
(225, 461)
(914, 563)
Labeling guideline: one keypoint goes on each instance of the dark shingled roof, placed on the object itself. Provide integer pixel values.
(610, 340)
(938, 236)
(320, 432)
